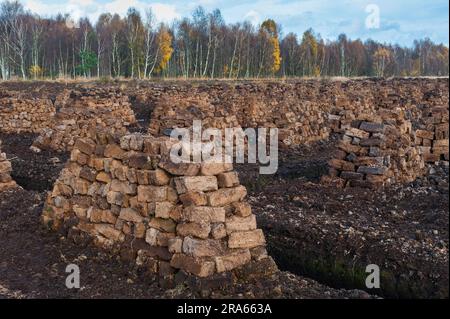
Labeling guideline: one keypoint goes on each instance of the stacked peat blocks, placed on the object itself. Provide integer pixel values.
(84, 111)
(21, 112)
(6, 181)
(432, 135)
(179, 111)
(376, 150)
(299, 112)
(129, 197)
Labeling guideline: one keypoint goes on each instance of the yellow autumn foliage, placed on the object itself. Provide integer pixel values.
(270, 27)
(35, 70)
(317, 71)
(276, 54)
(165, 48)
(381, 58)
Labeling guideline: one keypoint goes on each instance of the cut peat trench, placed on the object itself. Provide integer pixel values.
(322, 242)
(312, 259)
(32, 171)
(142, 111)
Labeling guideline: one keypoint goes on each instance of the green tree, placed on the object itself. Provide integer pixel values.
(88, 61)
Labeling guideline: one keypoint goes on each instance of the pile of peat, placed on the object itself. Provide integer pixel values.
(33, 260)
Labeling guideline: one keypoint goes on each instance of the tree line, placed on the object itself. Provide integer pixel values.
(201, 46)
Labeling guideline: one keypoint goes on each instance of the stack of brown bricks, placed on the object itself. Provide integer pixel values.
(84, 112)
(299, 118)
(127, 195)
(21, 112)
(6, 182)
(376, 150)
(178, 111)
(432, 136)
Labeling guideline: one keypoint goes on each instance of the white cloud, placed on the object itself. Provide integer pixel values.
(164, 12)
(327, 17)
(92, 9)
(253, 16)
(37, 6)
(82, 2)
(76, 8)
(121, 7)
(205, 2)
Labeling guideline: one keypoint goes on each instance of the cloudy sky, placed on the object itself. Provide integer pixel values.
(400, 21)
